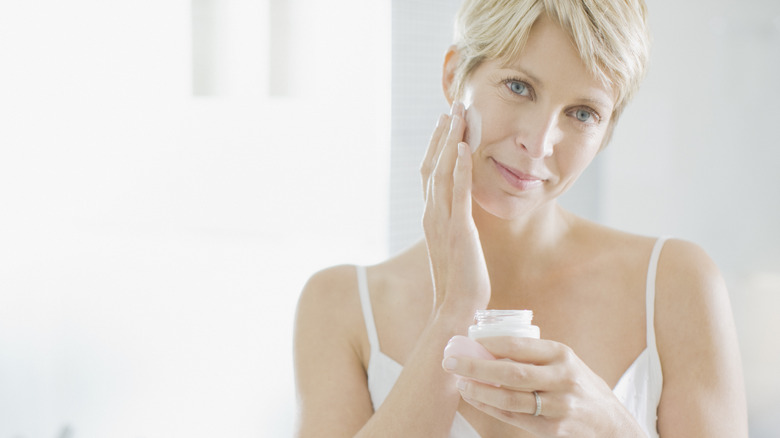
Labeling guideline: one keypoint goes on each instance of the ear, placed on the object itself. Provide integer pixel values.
(451, 59)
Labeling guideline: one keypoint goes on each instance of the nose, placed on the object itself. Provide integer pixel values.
(539, 134)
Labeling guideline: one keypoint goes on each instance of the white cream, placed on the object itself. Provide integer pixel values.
(473, 134)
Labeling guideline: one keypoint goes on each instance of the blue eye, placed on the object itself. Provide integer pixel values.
(583, 115)
(518, 88)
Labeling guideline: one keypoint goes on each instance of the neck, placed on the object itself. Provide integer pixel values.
(524, 247)
(538, 231)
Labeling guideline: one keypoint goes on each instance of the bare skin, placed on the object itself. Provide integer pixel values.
(493, 243)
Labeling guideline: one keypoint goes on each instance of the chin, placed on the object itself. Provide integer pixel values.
(504, 205)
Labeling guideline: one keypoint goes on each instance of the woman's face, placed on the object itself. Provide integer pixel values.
(540, 120)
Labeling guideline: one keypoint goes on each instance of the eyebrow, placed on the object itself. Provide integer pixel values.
(598, 103)
(525, 72)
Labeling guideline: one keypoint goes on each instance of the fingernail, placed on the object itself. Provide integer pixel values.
(457, 108)
(450, 363)
(461, 149)
(455, 122)
(461, 384)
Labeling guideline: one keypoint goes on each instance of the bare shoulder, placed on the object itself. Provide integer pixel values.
(330, 305)
(690, 289)
(686, 263)
(691, 297)
(616, 248)
(330, 286)
(688, 282)
(330, 302)
(681, 263)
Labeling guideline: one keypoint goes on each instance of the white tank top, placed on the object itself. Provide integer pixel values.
(639, 389)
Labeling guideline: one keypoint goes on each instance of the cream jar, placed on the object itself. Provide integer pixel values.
(492, 323)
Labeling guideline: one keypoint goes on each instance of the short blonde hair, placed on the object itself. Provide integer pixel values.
(611, 36)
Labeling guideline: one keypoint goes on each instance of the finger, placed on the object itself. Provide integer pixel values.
(443, 173)
(437, 142)
(526, 350)
(461, 186)
(520, 402)
(505, 373)
(458, 109)
(524, 421)
(434, 149)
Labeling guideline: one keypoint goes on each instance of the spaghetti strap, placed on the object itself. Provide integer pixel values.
(652, 270)
(654, 375)
(368, 313)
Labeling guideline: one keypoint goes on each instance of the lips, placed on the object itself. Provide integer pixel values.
(516, 178)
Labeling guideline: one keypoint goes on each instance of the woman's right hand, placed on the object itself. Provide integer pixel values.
(460, 275)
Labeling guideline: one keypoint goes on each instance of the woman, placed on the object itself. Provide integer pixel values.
(637, 333)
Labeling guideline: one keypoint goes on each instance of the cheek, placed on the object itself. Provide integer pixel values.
(573, 157)
(490, 124)
(589, 143)
(486, 118)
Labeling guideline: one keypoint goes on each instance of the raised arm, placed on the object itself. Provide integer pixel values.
(330, 372)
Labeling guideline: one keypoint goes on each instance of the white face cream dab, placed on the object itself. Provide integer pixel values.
(473, 134)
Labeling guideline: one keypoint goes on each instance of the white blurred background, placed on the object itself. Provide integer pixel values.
(172, 172)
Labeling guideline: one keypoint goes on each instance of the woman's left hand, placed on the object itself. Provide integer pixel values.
(574, 400)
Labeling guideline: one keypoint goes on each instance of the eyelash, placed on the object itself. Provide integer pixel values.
(594, 114)
(509, 80)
